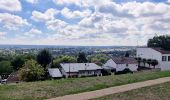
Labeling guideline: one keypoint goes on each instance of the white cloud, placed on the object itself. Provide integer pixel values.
(46, 16)
(12, 22)
(33, 32)
(10, 5)
(56, 24)
(32, 1)
(2, 35)
(75, 14)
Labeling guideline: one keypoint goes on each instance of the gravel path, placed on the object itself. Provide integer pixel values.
(111, 90)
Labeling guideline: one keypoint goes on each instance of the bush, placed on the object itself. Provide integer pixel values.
(5, 67)
(31, 71)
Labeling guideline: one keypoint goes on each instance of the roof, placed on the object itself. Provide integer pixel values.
(124, 60)
(159, 49)
(162, 51)
(54, 72)
(13, 77)
(76, 67)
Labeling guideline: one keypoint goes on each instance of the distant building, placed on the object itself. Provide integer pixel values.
(162, 56)
(121, 63)
(55, 73)
(80, 69)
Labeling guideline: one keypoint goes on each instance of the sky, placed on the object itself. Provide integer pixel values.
(83, 22)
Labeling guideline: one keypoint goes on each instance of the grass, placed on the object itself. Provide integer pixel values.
(156, 92)
(53, 88)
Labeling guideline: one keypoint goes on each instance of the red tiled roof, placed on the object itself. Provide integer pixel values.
(13, 77)
(124, 60)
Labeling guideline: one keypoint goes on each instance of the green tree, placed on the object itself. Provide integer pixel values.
(63, 59)
(127, 54)
(31, 71)
(160, 41)
(5, 67)
(149, 61)
(144, 61)
(82, 58)
(44, 58)
(17, 62)
(154, 63)
(99, 59)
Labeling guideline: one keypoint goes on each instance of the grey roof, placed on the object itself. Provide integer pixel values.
(76, 67)
(124, 60)
(162, 51)
(54, 72)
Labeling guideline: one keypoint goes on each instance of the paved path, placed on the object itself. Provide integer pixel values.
(112, 90)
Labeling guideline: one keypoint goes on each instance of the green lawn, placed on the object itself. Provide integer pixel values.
(156, 92)
(53, 88)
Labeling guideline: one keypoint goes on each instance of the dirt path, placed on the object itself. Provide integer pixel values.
(112, 90)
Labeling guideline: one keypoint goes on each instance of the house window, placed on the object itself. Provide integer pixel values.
(168, 58)
(163, 58)
(127, 65)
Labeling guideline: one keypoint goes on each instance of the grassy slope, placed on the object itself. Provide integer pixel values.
(48, 89)
(156, 92)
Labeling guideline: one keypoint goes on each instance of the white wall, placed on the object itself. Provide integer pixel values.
(109, 64)
(121, 67)
(150, 53)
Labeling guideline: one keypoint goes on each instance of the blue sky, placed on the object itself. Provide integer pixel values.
(83, 22)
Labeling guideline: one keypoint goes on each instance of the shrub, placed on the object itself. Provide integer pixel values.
(31, 71)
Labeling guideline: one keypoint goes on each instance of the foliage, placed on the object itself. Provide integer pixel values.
(127, 54)
(5, 67)
(63, 59)
(31, 71)
(99, 59)
(149, 61)
(160, 41)
(154, 63)
(44, 58)
(82, 58)
(17, 62)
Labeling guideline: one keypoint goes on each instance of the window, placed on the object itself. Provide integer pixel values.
(163, 58)
(168, 58)
(127, 65)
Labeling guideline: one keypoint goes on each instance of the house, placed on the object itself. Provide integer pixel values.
(80, 69)
(13, 78)
(55, 73)
(161, 55)
(121, 63)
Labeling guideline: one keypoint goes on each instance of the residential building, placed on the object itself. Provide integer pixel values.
(121, 63)
(159, 54)
(80, 69)
(55, 73)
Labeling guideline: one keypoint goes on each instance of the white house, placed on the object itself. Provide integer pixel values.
(55, 73)
(120, 63)
(80, 69)
(162, 56)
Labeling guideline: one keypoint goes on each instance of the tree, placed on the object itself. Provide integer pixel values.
(44, 58)
(99, 59)
(160, 41)
(144, 61)
(82, 58)
(154, 63)
(5, 67)
(17, 62)
(63, 59)
(149, 62)
(127, 54)
(31, 71)
(139, 60)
